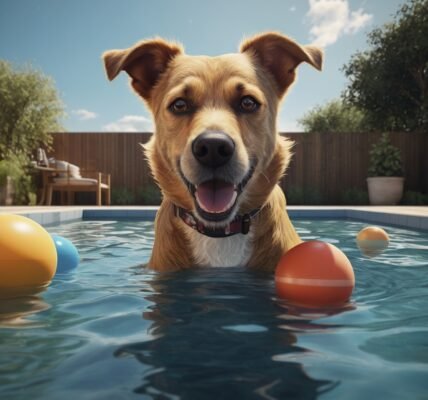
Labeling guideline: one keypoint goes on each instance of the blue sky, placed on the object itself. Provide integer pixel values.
(65, 39)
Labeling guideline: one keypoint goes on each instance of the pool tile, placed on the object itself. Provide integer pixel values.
(395, 219)
(414, 221)
(294, 213)
(48, 218)
(143, 213)
(123, 213)
(369, 216)
(37, 217)
(423, 224)
(355, 214)
(401, 220)
(103, 214)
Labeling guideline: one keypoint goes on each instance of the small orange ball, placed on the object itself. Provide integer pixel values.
(372, 241)
(315, 274)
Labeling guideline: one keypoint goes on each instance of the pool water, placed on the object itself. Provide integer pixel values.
(113, 330)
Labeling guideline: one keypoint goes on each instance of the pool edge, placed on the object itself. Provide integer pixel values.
(406, 217)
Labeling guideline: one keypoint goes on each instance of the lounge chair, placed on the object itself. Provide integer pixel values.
(66, 178)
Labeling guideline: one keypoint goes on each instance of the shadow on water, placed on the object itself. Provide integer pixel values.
(219, 334)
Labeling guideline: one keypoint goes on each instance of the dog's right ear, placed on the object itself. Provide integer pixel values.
(144, 63)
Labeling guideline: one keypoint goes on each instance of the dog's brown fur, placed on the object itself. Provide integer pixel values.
(265, 68)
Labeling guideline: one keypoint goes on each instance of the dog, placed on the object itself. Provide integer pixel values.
(216, 153)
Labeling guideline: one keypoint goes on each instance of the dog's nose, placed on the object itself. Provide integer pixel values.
(213, 149)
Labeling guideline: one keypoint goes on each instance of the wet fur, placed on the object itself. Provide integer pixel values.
(265, 68)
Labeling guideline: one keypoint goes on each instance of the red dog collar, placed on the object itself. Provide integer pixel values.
(241, 223)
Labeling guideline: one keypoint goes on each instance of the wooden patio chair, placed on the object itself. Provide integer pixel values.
(66, 179)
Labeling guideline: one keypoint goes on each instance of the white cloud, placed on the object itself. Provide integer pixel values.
(293, 8)
(84, 114)
(130, 123)
(331, 19)
(358, 20)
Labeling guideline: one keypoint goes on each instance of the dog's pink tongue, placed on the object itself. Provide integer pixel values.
(215, 196)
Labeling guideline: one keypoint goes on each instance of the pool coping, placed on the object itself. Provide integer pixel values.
(415, 217)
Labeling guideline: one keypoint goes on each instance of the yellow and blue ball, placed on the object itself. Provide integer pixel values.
(28, 257)
(68, 256)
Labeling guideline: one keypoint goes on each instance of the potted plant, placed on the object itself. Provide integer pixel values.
(385, 181)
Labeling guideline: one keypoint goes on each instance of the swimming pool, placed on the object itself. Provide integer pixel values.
(113, 330)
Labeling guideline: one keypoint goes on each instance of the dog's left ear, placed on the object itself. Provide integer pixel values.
(280, 55)
(144, 62)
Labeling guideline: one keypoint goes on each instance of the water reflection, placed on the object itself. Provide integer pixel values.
(302, 319)
(217, 335)
(16, 307)
(33, 343)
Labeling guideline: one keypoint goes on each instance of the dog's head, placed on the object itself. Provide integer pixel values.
(216, 149)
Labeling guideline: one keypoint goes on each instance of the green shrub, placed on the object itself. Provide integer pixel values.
(334, 116)
(16, 166)
(149, 195)
(10, 168)
(313, 196)
(303, 196)
(385, 159)
(295, 195)
(24, 191)
(412, 198)
(122, 197)
(354, 196)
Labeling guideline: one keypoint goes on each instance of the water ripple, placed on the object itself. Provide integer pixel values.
(116, 330)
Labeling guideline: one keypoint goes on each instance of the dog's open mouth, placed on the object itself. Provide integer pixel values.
(215, 199)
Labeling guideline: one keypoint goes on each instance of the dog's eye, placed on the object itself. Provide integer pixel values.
(248, 104)
(180, 106)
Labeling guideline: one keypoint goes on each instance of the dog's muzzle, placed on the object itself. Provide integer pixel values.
(217, 189)
(215, 197)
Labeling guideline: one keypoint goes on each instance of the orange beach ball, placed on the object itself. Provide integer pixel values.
(314, 274)
(372, 241)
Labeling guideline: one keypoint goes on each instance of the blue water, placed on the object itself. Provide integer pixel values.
(113, 330)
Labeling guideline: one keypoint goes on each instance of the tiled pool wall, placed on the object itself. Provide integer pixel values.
(49, 217)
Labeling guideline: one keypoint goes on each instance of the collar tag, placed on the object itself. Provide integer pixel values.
(245, 224)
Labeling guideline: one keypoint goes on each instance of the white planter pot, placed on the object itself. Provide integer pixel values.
(385, 190)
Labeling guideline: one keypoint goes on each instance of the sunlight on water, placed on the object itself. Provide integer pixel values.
(113, 330)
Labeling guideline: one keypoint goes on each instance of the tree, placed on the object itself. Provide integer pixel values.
(335, 116)
(30, 109)
(390, 81)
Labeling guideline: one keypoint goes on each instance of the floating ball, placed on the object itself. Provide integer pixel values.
(68, 256)
(27, 253)
(314, 274)
(372, 241)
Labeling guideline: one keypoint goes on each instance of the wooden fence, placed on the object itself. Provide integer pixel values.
(324, 166)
